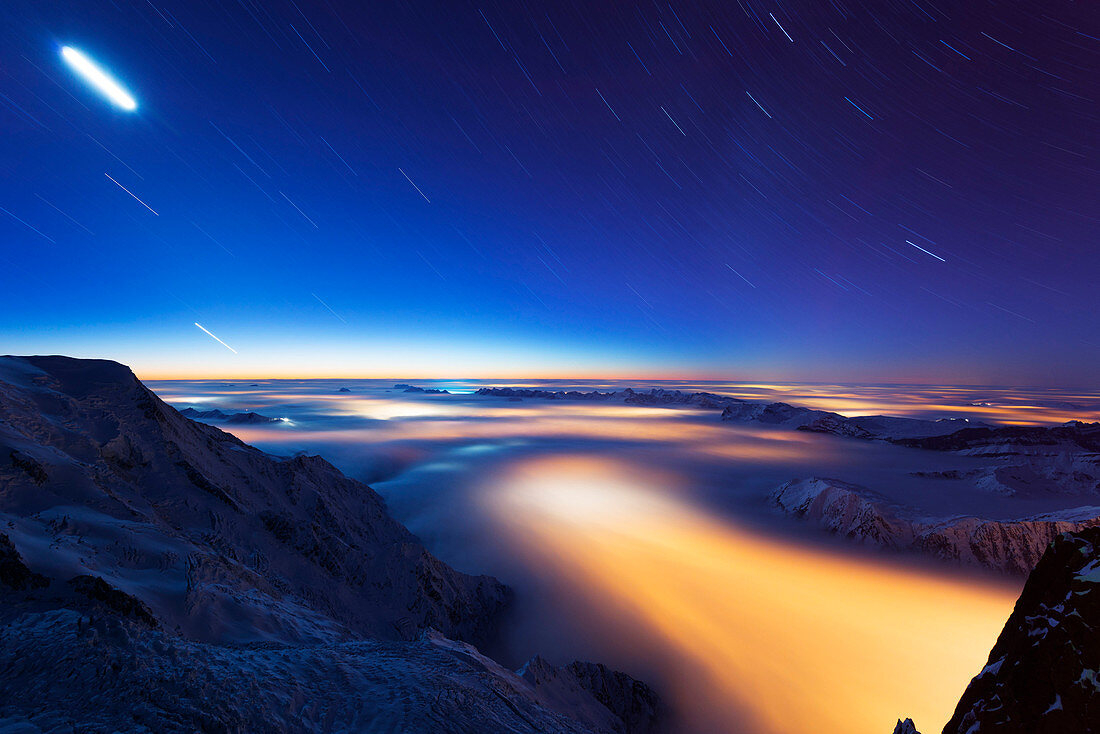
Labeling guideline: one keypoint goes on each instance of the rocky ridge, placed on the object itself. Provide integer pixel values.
(158, 573)
(860, 515)
(1041, 676)
(219, 416)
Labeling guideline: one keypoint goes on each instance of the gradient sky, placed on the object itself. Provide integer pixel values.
(813, 190)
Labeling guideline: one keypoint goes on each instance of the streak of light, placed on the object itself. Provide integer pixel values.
(926, 252)
(65, 215)
(131, 193)
(859, 108)
(2, 209)
(742, 277)
(758, 104)
(414, 185)
(673, 122)
(98, 78)
(328, 307)
(608, 105)
(299, 210)
(342, 157)
(788, 35)
(219, 341)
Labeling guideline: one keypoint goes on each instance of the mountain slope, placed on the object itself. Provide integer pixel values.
(859, 514)
(158, 574)
(1041, 677)
(119, 483)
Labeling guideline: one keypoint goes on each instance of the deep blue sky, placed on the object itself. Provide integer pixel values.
(615, 188)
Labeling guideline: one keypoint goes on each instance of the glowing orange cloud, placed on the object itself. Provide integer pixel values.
(770, 637)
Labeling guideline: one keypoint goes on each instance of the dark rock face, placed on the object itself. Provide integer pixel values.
(635, 703)
(219, 416)
(157, 574)
(905, 727)
(62, 671)
(622, 704)
(1082, 436)
(243, 546)
(655, 396)
(413, 388)
(14, 573)
(1042, 674)
(98, 590)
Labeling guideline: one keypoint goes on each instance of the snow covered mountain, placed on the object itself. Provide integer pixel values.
(216, 416)
(859, 514)
(157, 572)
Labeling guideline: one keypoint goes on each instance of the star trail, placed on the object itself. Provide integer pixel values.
(893, 191)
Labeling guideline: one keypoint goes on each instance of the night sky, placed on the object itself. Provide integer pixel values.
(901, 190)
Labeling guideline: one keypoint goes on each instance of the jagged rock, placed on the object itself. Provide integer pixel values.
(625, 705)
(883, 427)
(98, 590)
(1082, 436)
(854, 512)
(424, 390)
(14, 573)
(632, 701)
(63, 671)
(216, 415)
(845, 509)
(245, 546)
(906, 727)
(771, 413)
(212, 587)
(1042, 674)
(655, 396)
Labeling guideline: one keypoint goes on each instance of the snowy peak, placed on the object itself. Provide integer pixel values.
(1011, 547)
(101, 478)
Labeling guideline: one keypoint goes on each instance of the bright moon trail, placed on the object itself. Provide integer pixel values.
(98, 78)
(219, 341)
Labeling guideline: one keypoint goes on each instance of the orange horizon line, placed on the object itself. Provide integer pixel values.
(316, 376)
(589, 376)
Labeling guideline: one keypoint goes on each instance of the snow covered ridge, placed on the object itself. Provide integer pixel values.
(655, 396)
(858, 514)
(216, 416)
(156, 571)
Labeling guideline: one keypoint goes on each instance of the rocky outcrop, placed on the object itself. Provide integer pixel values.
(14, 573)
(245, 546)
(1075, 435)
(1042, 674)
(855, 512)
(413, 388)
(218, 416)
(626, 705)
(772, 413)
(905, 727)
(159, 574)
(632, 701)
(655, 396)
(62, 670)
(847, 510)
(881, 427)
